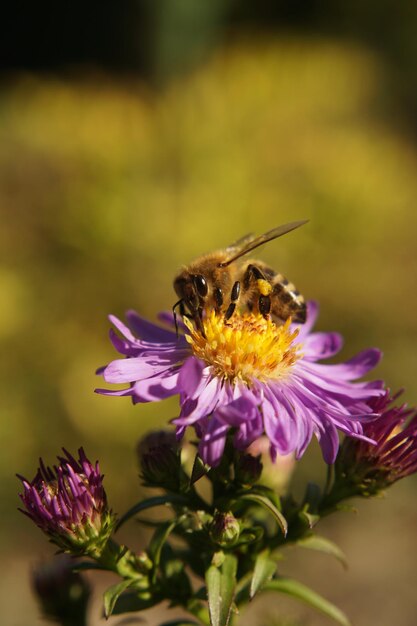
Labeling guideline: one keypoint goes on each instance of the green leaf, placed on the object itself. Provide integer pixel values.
(321, 544)
(157, 542)
(264, 570)
(267, 504)
(111, 595)
(301, 592)
(83, 566)
(267, 492)
(221, 584)
(171, 498)
(131, 602)
(199, 470)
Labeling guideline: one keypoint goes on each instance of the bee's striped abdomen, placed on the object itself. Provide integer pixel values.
(287, 301)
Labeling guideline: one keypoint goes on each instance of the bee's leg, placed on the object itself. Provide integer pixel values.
(198, 320)
(264, 304)
(183, 313)
(254, 274)
(234, 297)
(180, 304)
(218, 297)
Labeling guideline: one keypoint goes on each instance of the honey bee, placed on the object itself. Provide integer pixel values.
(223, 280)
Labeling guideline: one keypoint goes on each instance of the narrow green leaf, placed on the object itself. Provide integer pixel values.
(199, 470)
(157, 542)
(131, 602)
(263, 571)
(171, 498)
(321, 544)
(83, 566)
(221, 584)
(301, 592)
(111, 595)
(267, 492)
(267, 504)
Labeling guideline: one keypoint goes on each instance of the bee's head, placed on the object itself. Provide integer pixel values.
(192, 290)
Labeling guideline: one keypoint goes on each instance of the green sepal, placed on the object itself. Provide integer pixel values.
(249, 535)
(170, 498)
(199, 470)
(264, 570)
(269, 506)
(112, 594)
(301, 592)
(221, 585)
(322, 544)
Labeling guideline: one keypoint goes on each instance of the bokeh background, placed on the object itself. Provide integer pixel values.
(135, 136)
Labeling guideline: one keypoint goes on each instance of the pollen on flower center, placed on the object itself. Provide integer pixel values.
(246, 347)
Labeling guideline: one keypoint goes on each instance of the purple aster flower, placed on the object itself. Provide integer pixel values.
(69, 504)
(373, 467)
(248, 375)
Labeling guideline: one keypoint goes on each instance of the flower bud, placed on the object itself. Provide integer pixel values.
(388, 454)
(248, 468)
(160, 461)
(224, 529)
(69, 504)
(62, 593)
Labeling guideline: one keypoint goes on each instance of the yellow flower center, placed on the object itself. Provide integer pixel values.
(245, 347)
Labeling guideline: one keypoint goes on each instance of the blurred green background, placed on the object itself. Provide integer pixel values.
(135, 137)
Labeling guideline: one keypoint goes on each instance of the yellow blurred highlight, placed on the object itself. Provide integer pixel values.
(15, 299)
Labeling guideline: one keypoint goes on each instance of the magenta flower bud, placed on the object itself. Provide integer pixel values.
(69, 504)
(374, 466)
(224, 529)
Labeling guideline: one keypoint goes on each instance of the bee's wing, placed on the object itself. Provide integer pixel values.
(241, 243)
(249, 242)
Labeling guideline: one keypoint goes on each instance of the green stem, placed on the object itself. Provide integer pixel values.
(331, 501)
(123, 562)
